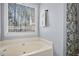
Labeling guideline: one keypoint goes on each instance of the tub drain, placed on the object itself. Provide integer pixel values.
(2, 55)
(23, 44)
(4, 50)
(24, 52)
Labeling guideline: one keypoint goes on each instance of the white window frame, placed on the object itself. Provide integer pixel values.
(9, 34)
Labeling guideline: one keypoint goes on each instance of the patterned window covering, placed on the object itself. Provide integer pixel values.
(72, 41)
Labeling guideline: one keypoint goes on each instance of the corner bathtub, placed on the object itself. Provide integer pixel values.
(26, 47)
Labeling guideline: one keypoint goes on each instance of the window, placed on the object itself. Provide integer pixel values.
(21, 18)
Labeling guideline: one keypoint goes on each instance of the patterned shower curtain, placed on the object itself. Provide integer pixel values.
(72, 40)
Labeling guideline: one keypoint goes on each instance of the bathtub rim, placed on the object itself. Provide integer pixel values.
(37, 51)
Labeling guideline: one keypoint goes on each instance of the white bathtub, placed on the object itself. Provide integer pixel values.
(26, 47)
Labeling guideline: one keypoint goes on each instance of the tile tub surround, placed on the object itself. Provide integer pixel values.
(26, 47)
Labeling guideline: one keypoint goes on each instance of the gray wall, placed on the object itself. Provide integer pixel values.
(55, 31)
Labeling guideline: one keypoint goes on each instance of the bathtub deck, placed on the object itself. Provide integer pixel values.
(24, 47)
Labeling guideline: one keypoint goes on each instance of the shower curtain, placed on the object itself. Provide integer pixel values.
(71, 22)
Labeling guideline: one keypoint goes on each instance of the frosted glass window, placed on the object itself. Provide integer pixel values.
(20, 18)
